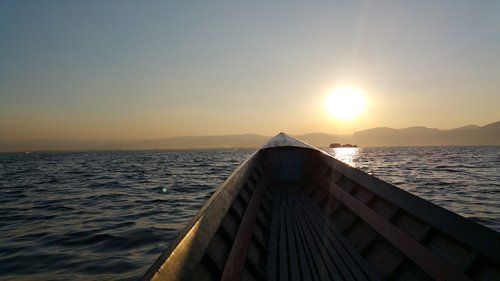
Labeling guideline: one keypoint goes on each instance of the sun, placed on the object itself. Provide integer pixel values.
(345, 103)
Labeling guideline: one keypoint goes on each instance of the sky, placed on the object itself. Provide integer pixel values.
(154, 69)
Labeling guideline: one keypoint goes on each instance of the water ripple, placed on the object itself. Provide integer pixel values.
(100, 215)
(108, 215)
(465, 180)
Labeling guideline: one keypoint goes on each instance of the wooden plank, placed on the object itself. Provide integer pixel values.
(236, 260)
(314, 250)
(326, 267)
(344, 262)
(433, 265)
(346, 249)
(283, 257)
(308, 254)
(292, 243)
(305, 267)
(272, 258)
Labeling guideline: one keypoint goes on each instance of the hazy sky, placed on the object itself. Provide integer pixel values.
(149, 69)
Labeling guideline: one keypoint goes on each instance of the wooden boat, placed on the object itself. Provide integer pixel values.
(292, 212)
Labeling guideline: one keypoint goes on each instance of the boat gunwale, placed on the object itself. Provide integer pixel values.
(475, 236)
(236, 181)
(452, 224)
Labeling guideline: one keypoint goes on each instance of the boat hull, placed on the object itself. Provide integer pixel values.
(292, 212)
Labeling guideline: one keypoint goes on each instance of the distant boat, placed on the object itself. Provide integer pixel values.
(338, 145)
(293, 212)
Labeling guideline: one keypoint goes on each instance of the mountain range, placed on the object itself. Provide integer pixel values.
(376, 137)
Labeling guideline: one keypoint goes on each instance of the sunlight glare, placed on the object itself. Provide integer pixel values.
(345, 103)
(348, 155)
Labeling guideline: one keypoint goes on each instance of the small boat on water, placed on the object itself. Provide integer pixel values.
(293, 212)
(338, 145)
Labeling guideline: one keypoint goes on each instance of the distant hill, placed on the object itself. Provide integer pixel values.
(383, 136)
(467, 127)
(422, 136)
(224, 141)
(187, 142)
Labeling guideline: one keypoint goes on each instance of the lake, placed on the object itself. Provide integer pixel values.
(109, 215)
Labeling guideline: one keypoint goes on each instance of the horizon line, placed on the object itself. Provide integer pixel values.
(232, 134)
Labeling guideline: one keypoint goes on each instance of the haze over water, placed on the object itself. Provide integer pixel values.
(154, 69)
(109, 215)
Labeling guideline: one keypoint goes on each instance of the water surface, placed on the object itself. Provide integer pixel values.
(109, 215)
(465, 180)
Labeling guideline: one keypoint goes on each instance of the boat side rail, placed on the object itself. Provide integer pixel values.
(366, 208)
(447, 222)
(185, 253)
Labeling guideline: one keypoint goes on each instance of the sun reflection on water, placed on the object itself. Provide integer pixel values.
(348, 155)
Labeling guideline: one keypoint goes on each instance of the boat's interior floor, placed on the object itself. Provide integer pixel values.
(303, 245)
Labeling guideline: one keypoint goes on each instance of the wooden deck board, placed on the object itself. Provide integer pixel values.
(342, 261)
(352, 258)
(283, 257)
(273, 242)
(308, 254)
(303, 245)
(292, 243)
(304, 262)
(325, 266)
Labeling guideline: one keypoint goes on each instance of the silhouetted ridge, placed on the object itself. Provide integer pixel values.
(381, 136)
